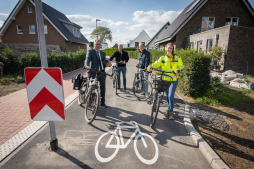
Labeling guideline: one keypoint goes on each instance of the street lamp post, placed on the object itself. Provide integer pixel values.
(96, 25)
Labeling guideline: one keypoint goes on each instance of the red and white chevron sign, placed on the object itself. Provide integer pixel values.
(45, 93)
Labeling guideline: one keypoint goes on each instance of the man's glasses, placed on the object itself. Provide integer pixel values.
(97, 44)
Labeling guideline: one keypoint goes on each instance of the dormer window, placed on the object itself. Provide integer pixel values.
(232, 21)
(207, 23)
(30, 9)
(76, 32)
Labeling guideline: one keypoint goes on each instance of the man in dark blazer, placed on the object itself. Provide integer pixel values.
(96, 59)
(122, 58)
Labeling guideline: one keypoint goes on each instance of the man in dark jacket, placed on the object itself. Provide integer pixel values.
(144, 61)
(121, 58)
(96, 59)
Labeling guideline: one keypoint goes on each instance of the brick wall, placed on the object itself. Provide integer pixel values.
(222, 41)
(240, 54)
(220, 10)
(73, 47)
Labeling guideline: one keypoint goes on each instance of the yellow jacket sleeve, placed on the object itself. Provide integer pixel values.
(180, 64)
(157, 63)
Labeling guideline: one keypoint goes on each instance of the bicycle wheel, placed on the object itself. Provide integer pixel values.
(139, 89)
(107, 148)
(155, 109)
(147, 153)
(92, 105)
(82, 93)
(116, 82)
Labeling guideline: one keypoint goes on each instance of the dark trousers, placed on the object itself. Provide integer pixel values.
(102, 80)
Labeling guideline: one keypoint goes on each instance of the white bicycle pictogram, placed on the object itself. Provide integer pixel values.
(120, 143)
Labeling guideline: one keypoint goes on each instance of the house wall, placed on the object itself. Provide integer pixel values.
(73, 47)
(142, 37)
(240, 53)
(222, 39)
(226, 8)
(24, 18)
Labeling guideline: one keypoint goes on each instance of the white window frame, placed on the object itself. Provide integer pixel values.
(207, 27)
(199, 45)
(209, 43)
(28, 7)
(18, 29)
(30, 29)
(231, 20)
(191, 45)
(45, 29)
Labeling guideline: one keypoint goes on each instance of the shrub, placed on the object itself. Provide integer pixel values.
(195, 77)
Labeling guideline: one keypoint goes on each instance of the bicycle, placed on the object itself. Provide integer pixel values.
(83, 91)
(120, 143)
(140, 84)
(115, 76)
(91, 96)
(159, 86)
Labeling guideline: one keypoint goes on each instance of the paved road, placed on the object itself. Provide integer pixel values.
(77, 140)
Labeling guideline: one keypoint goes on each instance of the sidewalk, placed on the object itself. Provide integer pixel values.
(15, 114)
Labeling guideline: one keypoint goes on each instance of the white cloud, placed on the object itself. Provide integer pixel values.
(3, 17)
(152, 20)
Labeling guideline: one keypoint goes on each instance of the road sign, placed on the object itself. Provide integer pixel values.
(45, 93)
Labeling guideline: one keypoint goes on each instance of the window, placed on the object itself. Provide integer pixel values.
(192, 45)
(207, 23)
(45, 29)
(136, 44)
(199, 46)
(208, 45)
(30, 9)
(76, 32)
(19, 29)
(31, 29)
(232, 21)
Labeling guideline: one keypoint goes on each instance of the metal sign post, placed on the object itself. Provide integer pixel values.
(44, 62)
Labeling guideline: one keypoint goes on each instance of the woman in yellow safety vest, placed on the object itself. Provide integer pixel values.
(169, 62)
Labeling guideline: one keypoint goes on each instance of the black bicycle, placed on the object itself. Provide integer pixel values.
(142, 88)
(159, 86)
(89, 95)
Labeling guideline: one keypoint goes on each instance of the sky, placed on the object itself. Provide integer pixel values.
(125, 18)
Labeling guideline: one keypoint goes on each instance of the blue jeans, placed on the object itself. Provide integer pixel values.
(145, 76)
(170, 95)
(123, 70)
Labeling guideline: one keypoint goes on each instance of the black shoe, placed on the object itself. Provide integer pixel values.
(125, 88)
(104, 105)
(118, 87)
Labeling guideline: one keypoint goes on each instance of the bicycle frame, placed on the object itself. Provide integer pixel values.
(122, 144)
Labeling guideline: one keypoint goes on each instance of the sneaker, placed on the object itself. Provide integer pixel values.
(125, 88)
(166, 114)
(142, 93)
(104, 105)
(171, 116)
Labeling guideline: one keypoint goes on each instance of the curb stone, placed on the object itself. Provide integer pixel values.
(211, 156)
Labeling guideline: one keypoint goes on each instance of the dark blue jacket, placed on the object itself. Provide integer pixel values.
(144, 60)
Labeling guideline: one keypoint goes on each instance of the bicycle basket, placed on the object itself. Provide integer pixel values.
(160, 85)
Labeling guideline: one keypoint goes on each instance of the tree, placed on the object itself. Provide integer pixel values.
(103, 34)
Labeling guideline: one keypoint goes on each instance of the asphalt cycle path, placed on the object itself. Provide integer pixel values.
(105, 144)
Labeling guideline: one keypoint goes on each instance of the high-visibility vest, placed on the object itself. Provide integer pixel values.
(164, 63)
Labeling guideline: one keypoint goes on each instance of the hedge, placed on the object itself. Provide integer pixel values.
(194, 80)
(14, 64)
(110, 51)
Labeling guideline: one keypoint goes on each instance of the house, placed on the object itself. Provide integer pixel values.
(151, 43)
(228, 24)
(143, 37)
(19, 31)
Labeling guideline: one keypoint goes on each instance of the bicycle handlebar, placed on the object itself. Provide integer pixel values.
(99, 72)
(163, 72)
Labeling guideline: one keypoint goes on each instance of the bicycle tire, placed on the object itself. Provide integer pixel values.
(92, 105)
(82, 93)
(96, 151)
(156, 155)
(155, 109)
(116, 83)
(138, 89)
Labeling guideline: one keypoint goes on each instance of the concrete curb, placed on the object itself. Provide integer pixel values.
(211, 156)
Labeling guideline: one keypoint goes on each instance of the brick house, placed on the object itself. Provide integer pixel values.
(19, 31)
(228, 24)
